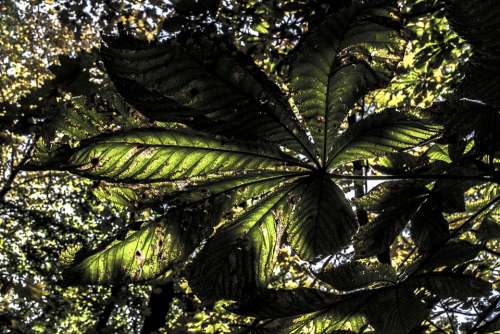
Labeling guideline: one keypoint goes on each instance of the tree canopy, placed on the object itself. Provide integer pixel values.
(250, 166)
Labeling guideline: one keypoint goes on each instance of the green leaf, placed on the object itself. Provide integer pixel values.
(164, 155)
(143, 255)
(239, 187)
(354, 51)
(323, 221)
(240, 257)
(207, 84)
(327, 322)
(429, 229)
(121, 196)
(379, 134)
(438, 152)
(396, 163)
(356, 275)
(445, 284)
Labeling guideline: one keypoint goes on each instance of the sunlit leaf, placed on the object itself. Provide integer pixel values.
(380, 134)
(240, 257)
(165, 155)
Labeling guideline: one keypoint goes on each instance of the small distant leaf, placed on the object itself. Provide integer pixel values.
(379, 134)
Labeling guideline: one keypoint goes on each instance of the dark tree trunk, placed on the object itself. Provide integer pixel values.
(159, 304)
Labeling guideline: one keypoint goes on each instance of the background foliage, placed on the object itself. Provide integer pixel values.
(65, 239)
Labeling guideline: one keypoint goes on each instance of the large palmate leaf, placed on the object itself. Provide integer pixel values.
(352, 52)
(207, 84)
(240, 257)
(163, 155)
(478, 22)
(380, 134)
(323, 221)
(356, 275)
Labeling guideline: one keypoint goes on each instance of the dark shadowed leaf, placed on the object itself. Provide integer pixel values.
(489, 229)
(323, 221)
(429, 229)
(395, 203)
(351, 53)
(282, 303)
(453, 253)
(356, 275)
(445, 284)
(396, 163)
(478, 22)
(395, 311)
(208, 85)
(450, 193)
